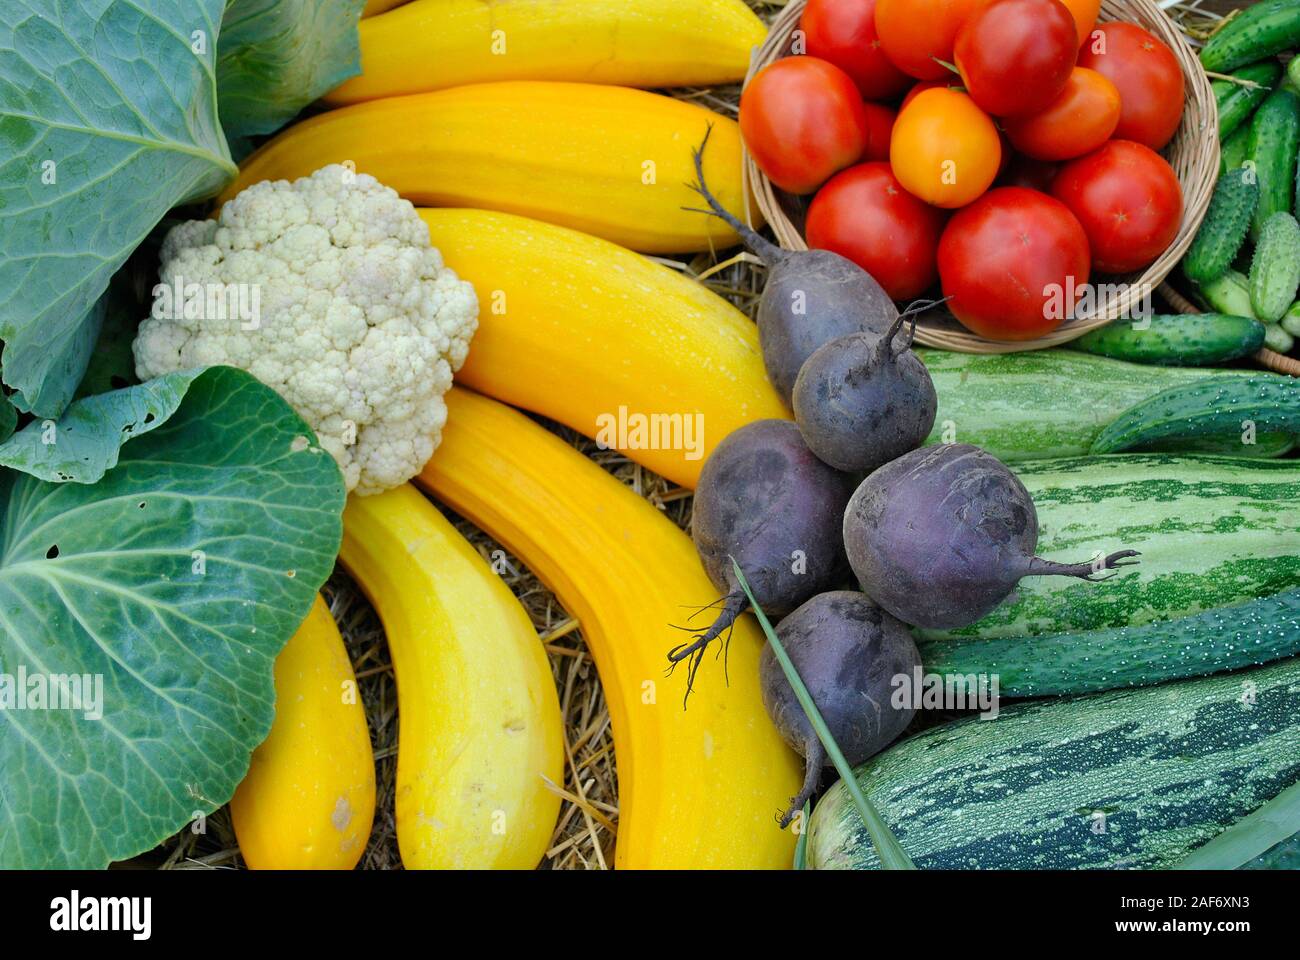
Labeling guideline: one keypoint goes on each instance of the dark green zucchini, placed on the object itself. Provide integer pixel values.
(1220, 408)
(1237, 101)
(1130, 779)
(1178, 340)
(1260, 30)
(1226, 638)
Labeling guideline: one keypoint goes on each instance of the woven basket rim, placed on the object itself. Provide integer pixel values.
(1193, 153)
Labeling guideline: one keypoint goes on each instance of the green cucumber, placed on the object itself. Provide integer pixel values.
(1271, 151)
(1282, 856)
(1233, 154)
(1293, 71)
(1229, 294)
(1278, 339)
(1225, 638)
(1275, 270)
(1261, 30)
(1182, 340)
(1132, 778)
(1045, 403)
(1291, 320)
(1212, 532)
(1227, 409)
(1237, 101)
(1224, 229)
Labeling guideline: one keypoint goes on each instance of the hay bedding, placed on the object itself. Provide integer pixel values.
(586, 830)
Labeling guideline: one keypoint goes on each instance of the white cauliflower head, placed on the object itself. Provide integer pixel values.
(327, 290)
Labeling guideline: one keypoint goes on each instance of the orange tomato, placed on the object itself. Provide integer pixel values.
(914, 33)
(1085, 16)
(1079, 121)
(944, 148)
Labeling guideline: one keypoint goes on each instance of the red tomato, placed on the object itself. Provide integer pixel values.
(1014, 263)
(1027, 172)
(843, 32)
(880, 125)
(1085, 16)
(803, 120)
(918, 33)
(1080, 120)
(944, 149)
(863, 213)
(1128, 200)
(1014, 56)
(1148, 78)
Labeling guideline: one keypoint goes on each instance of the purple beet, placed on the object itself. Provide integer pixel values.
(810, 297)
(764, 499)
(847, 651)
(940, 536)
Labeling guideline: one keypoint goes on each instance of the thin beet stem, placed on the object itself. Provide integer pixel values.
(1038, 567)
(814, 761)
(766, 251)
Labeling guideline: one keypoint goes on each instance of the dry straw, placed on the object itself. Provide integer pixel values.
(1194, 155)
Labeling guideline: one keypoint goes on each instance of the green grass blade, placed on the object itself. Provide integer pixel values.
(1246, 839)
(891, 853)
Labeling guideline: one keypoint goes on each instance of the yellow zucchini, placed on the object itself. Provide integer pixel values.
(610, 161)
(480, 723)
(434, 44)
(308, 800)
(576, 328)
(698, 787)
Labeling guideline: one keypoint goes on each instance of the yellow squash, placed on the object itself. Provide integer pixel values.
(480, 722)
(610, 161)
(433, 44)
(698, 787)
(308, 800)
(579, 329)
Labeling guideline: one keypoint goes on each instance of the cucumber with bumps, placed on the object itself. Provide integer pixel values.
(1225, 638)
(1224, 409)
(1275, 270)
(1229, 294)
(1224, 229)
(1237, 101)
(1191, 339)
(1261, 30)
(1127, 779)
(1271, 150)
(1212, 532)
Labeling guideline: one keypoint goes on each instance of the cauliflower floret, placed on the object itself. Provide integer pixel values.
(327, 290)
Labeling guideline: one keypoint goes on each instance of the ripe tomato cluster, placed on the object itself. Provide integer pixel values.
(1005, 149)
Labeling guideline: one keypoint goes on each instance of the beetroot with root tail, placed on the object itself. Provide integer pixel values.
(810, 297)
(847, 651)
(862, 400)
(940, 536)
(764, 499)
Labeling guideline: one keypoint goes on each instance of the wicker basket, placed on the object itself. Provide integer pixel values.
(1193, 153)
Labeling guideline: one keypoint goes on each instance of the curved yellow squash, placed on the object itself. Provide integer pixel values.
(479, 719)
(434, 44)
(610, 161)
(578, 329)
(308, 800)
(698, 787)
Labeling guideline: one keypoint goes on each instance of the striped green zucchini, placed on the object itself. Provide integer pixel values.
(1050, 403)
(1212, 531)
(1282, 856)
(1225, 410)
(1225, 638)
(1134, 778)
